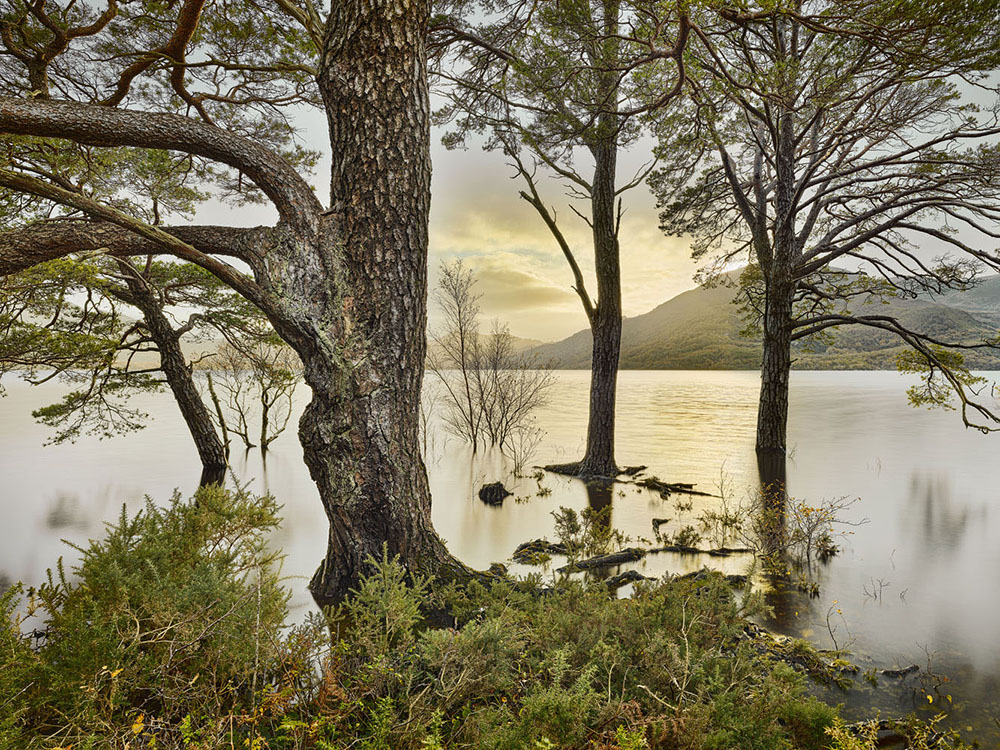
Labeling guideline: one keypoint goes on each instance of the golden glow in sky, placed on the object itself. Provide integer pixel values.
(477, 215)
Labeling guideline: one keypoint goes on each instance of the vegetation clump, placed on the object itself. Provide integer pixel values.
(171, 633)
(172, 618)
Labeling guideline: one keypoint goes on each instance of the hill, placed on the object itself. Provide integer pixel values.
(981, 302)
(699, 330)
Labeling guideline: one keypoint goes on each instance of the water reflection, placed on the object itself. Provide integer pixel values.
(67, 513)
(927, 485)
(942, 521)
(599, 497)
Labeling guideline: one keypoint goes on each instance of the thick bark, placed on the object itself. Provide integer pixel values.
(606, 320)
(776, 364)
(772, 415)
(360, 432)
(606, 323)
(178, 374)
(97, 125)
(44, 241)
(346, 288)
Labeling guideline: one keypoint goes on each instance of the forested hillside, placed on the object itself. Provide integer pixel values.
(700, 329)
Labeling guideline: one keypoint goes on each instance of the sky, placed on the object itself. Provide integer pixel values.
(477, 215)
(523, 278)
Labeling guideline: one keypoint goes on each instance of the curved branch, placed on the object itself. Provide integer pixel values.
(921, 344)
(187, 24)
(158, 240)
(45, 241)
(96, 125)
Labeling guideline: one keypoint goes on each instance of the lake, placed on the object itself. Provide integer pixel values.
(928, 487)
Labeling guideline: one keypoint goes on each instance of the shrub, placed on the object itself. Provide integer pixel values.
(170, 634)
(173, 617)
(17, 666)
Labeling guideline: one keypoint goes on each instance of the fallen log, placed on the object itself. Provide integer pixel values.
(630, 554)
(615, 582)
(901, 672)
(687, 550)
(666, 489)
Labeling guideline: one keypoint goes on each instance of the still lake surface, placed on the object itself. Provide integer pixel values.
(928, 487)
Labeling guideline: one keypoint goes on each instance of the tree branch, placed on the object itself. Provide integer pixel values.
(96, 125)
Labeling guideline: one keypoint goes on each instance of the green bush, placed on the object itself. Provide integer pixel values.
(171, 634)
(173, 616)
(17, 662)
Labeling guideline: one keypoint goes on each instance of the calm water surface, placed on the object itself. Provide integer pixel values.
(929, 488)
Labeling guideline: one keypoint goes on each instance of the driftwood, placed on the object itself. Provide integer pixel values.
(633, 472)
(666, 489)
(630, 554)
(687, 550)
(900, 672)
(615, 582)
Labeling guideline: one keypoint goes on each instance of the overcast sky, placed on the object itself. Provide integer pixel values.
(476, 214)
(524, 280)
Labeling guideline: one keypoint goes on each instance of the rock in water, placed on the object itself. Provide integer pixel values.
(497, 569)
(494, 494)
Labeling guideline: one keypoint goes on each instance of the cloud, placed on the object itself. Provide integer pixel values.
(524, 278)
(506, 288)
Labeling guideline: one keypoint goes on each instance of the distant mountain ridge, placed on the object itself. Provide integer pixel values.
(699, 330)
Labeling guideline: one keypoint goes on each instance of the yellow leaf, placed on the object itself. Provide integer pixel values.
(930, 699)
(138, 724)
(116, 672)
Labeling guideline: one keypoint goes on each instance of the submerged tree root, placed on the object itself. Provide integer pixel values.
(632, 554)
(634, 476)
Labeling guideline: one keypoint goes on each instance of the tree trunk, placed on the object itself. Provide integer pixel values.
(345, 287)
(772, 415)
(178, 375)
(218, 412)
(606, 325)
(776, 364)
(264, 419)
(772, 423)
(362, 297)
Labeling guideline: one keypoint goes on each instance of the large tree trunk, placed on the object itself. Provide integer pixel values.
(776, 364)
(606, 324)
(772, 425)
(211, 451)
(346, 287)
(363, 296)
